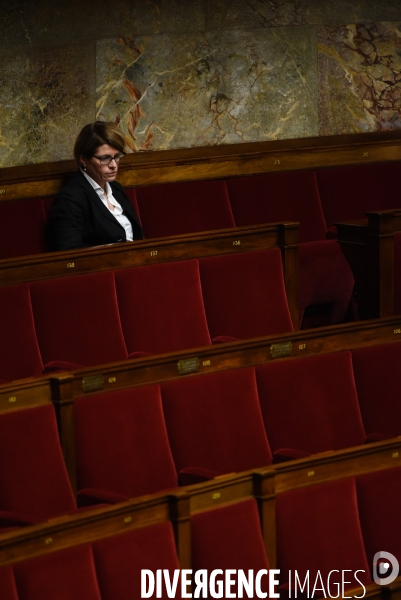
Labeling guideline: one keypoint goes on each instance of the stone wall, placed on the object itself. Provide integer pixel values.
(184, 73)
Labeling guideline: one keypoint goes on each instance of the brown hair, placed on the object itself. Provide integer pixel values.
(96, 134)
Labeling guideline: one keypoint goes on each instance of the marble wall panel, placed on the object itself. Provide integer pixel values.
(195, 72)
(172, 91)
(46, 96)
(27, 22)
(343, 12)
(359, 78)
(248, 14)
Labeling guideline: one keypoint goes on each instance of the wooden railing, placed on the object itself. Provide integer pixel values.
(211, 162)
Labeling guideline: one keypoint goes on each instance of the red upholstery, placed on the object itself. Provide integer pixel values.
(64, 575)
(33, 477)
(77, 319)
(229, 537)
(177, 208)
(324, 274)
(325, 278)
(119, 560)
(22, 228)
(310, 404)
(375, 372)
(379, 501)
(317, 529)
(244, 294)
(161, 307)
(7, 584)
(348, 193)
(121, 442)
(274, 197)
(214, 422)
(19, 351)
(131, 195)
(397, 273)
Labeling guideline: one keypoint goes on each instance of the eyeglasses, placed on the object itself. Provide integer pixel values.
(106, 160)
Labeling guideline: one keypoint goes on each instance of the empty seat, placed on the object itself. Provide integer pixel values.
(161, 307)
(66, 575)
(214, 424)
(325, 279)
(310, 405)
(23, 228)
(177, 208)
(7, 584)
(77, 320)
(375, 368)
(120, 559)
(229, 537)
(349, 192)
(34, 484)
(318, 530)
(397, 273)
(275, 197)
(324, 275)
(379, 499)
(244, 294)
(122, 449)
(19, 351)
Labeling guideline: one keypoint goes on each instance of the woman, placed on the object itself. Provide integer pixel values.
(92, 209)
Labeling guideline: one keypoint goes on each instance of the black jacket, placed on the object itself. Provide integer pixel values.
(80, 219)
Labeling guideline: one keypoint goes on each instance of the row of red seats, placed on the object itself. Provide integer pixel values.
(317, 199)
(206, 426)
(172, 209)
(144, 440)
(314, 198)
(103, 317)
(327, 536)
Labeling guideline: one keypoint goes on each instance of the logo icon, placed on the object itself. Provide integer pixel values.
(385, 568)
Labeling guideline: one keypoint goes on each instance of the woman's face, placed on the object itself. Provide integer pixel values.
(101, 173)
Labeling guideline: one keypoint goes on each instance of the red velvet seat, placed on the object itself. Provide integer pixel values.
(325, 279)
(7, 584)
(34, 484)
(375, 371)
(77, 320)
(19, 351)
(309, 404)
(275, 197)
(177, 208)
(347, 193)
(244, 294)
(131, 195)
(23, 228)
(379, 501)
(161, 307)
(229, 537)
(122, 449)
(397, 273)
(318, 529)
(214, 424)
(64, 575)
(324, 275)
(119, 560)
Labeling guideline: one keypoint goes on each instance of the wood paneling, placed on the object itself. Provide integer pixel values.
(213, 162)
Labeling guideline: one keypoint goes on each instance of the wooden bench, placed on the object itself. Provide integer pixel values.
(131, 520)
(38, 182)
(146, 252)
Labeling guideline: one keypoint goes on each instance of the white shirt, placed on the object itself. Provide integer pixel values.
(118, 211)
